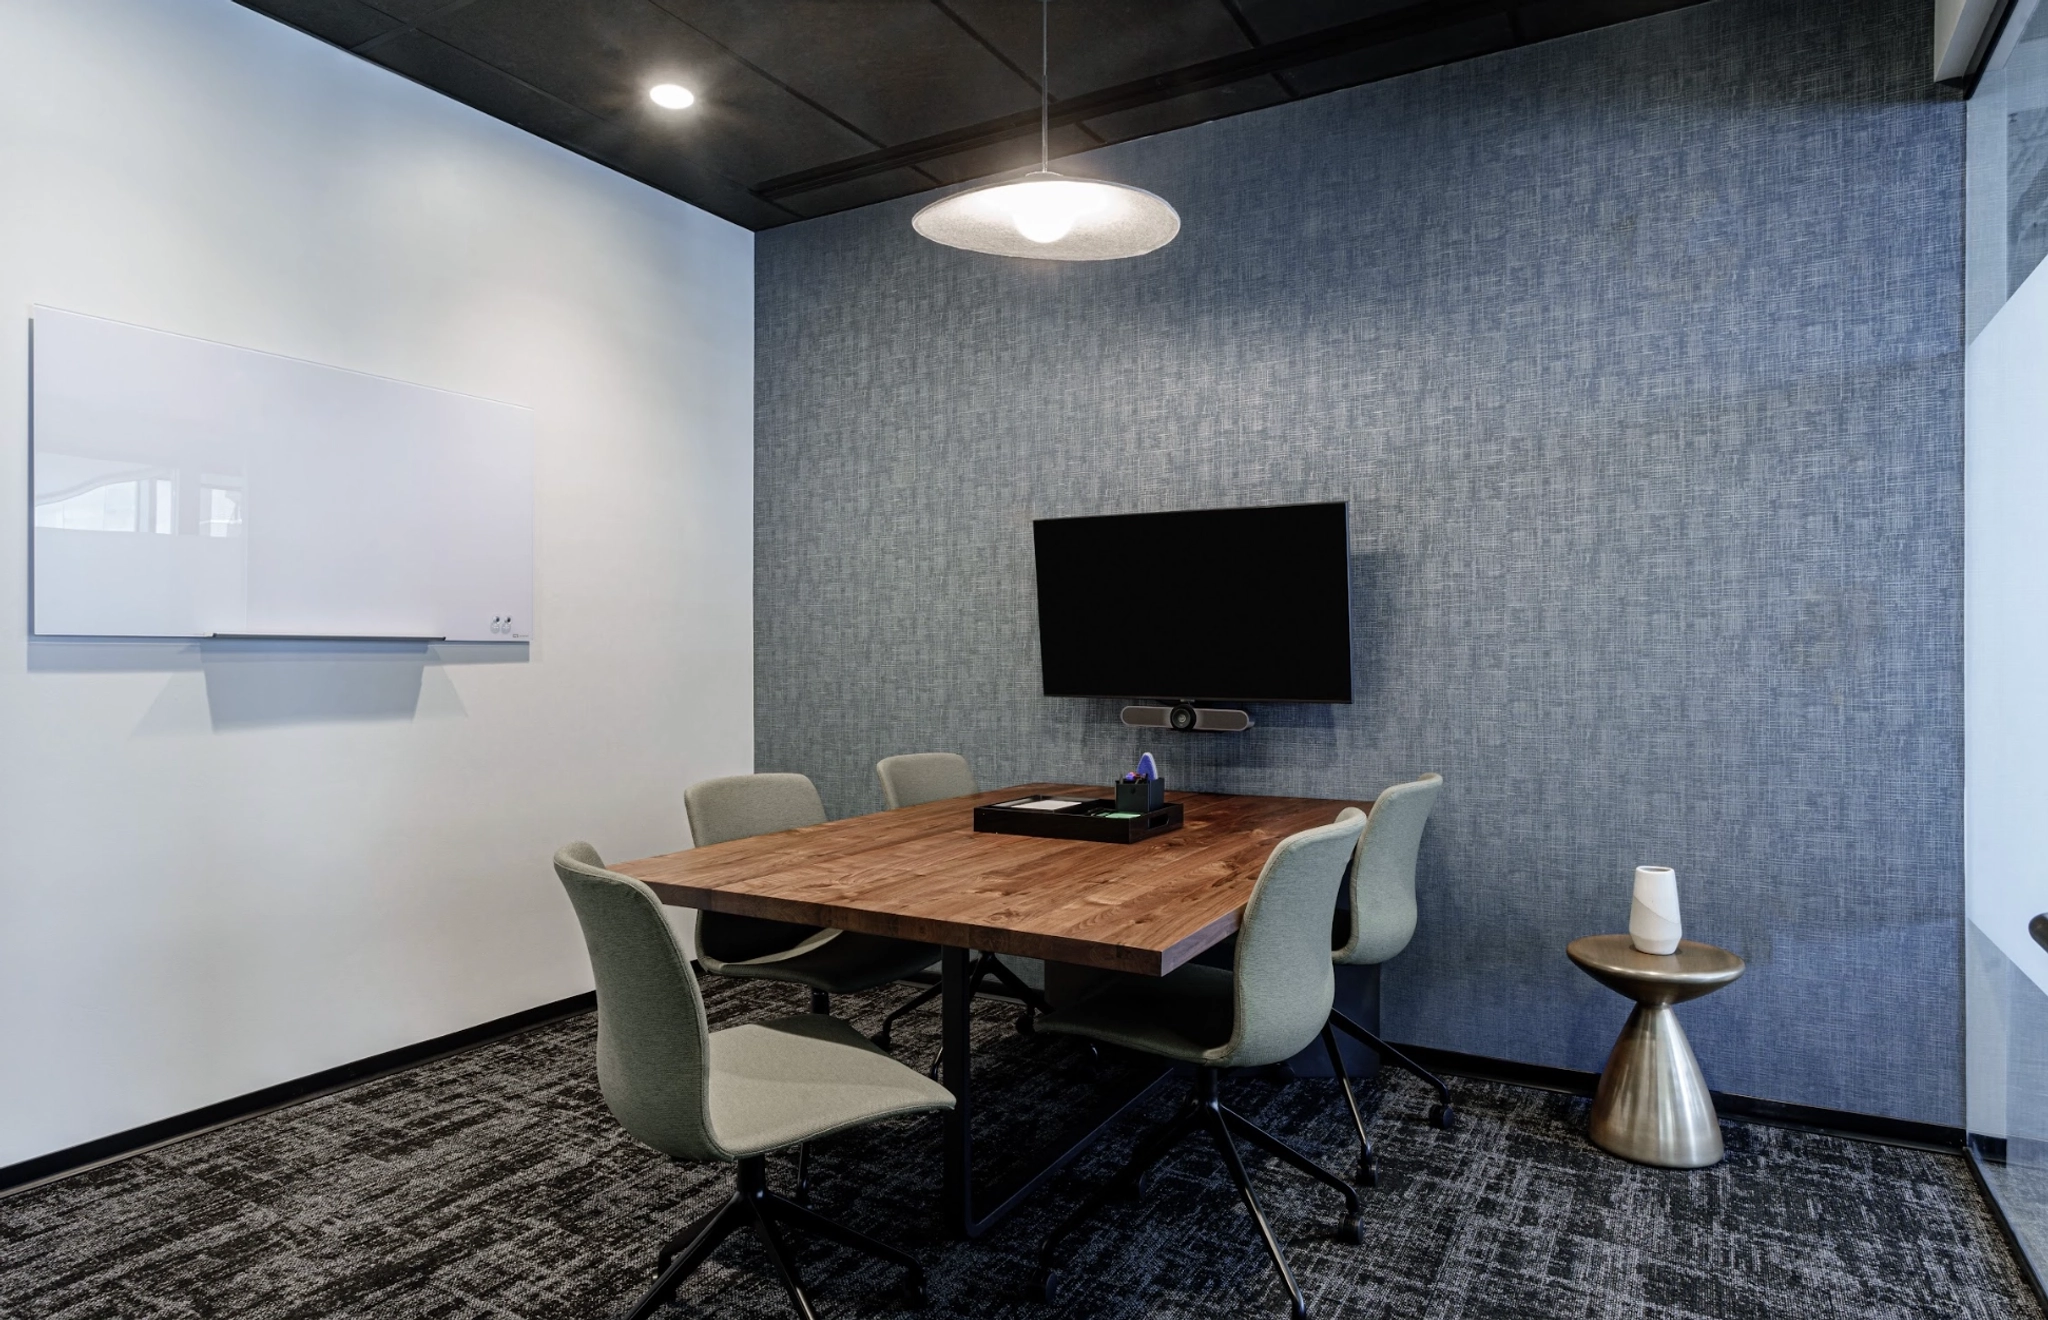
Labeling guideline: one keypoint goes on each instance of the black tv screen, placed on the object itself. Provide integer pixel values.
(1213, 604)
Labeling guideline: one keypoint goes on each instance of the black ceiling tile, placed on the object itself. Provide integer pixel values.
(1277, 20)
(1104, 43)
(744, 137)
(343, 22)
(419, 11)
(474, 83)
(1019, 153)
(858, 192)
(857, 101)
(659, 164)
(1481, 36)
(898, 69)
(1558, 18)
(1192, 108)
(603, 55)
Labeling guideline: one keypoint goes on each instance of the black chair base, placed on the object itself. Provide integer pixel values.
(1442, 1113)
(1205, 1110)
(752, 1205)
(985, 966)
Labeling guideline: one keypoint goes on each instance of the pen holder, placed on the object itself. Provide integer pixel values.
(1140, 796)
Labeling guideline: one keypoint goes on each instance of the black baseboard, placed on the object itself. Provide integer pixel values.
(103, 1150)
(1745, 1108)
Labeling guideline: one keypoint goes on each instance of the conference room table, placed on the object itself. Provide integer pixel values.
(924, 873)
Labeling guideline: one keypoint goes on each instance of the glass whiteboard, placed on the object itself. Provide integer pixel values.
(184, 488)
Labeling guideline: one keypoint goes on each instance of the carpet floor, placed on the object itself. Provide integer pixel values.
(494, 1184)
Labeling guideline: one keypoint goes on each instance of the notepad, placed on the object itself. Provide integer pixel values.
(1041, 804)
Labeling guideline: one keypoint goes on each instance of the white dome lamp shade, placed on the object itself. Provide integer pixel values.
(1048, 216)
(1052, 218)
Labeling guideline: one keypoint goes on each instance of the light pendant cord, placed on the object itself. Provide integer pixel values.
(1044, 87)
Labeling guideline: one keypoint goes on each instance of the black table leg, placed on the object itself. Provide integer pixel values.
(963, 1217)
(955, 1002)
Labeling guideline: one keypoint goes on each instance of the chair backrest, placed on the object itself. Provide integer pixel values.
(739, 807)
(921, 777)
(652, 1041)
(1284, 979)
(1383, 872)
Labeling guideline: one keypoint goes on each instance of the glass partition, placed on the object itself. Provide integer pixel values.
(2006, 629)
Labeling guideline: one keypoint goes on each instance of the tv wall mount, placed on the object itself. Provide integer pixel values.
(1187, 717)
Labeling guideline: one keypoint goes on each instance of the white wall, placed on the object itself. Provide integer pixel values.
(224, 867)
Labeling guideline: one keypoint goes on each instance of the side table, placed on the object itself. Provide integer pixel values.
(1652, 1106)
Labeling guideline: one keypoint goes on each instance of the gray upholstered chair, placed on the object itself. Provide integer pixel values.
(732, 1095)
(1378, 925)
(829, 962)
(1271, 1004)
(920, 777)
(912, 780)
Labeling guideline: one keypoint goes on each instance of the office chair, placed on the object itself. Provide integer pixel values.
(911, 781)
(1272, 1003)
(1380, 924)
(829, 962)
(921, 777)
(730, 1096)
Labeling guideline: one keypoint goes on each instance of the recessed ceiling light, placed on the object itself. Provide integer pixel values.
(671, 97)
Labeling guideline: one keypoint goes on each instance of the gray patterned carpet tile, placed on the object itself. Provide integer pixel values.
(494, 1184)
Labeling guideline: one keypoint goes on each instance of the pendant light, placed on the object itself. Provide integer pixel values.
(1049, 216)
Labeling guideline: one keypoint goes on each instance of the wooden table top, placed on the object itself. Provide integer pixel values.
(922, 873)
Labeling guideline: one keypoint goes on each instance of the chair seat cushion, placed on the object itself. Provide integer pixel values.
(774, 1084)
(1185, 1015)
(850, 963)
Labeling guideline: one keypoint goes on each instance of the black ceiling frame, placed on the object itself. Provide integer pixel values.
(1421, 19)
(1417, 34)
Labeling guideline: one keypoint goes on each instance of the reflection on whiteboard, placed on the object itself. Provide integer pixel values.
(2005, 625)
(189, 489)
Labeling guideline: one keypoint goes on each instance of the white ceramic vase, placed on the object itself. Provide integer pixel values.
(1653, 917)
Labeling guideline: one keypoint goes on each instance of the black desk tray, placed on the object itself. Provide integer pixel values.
(1090, 821)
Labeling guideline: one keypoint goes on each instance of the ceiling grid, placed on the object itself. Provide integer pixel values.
(806, 107)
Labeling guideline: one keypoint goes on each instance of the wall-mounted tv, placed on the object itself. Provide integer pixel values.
(1204, 605)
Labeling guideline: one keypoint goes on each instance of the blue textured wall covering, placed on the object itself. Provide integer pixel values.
(1637, 355)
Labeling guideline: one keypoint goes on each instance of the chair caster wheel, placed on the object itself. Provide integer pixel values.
(1444, 1117)
(1046, 1287)
(1351, 1231)
(1135, 1190)
(882, 1041)
(912, 1296)
(1027, 1023)
(1369, 1171)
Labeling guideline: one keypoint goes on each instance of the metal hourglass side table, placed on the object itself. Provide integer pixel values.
(1652, 1106)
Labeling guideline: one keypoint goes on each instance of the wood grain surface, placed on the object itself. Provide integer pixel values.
(922, 873)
